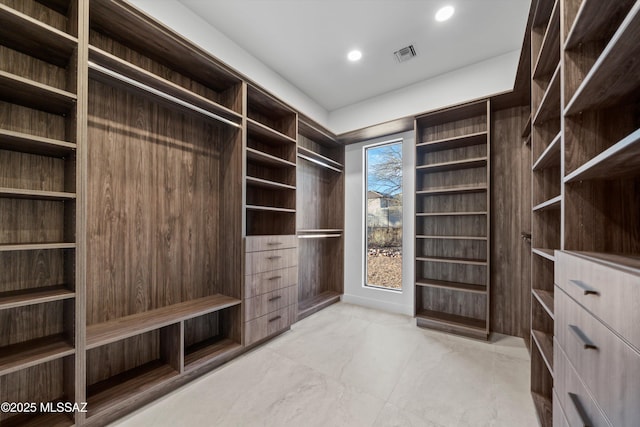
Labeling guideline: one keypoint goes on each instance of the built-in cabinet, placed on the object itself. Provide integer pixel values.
(452, 226)
(147, 211)
(586, 199)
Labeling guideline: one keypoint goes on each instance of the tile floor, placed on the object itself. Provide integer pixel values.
(353, 366)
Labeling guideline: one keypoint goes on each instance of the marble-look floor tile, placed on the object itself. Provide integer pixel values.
(354, 366)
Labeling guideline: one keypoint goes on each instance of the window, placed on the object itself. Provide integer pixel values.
(383, 222)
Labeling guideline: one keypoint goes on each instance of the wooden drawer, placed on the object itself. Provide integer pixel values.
(576, 403)
(268, 243)
(258, 262)
(261, 283)
(269, 324)
(608, 367)
(611, 294)
(270, 302)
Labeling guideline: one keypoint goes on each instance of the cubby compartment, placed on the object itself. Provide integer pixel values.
(131, 367)
(452, 249)
(211, 336)
(320, 283)
(541, 387)
(47, 383)
(456, 275)
(458, 226)
(267, 111)
(455, 123)
(60, 15)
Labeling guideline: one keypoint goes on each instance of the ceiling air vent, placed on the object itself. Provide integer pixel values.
(405, 54)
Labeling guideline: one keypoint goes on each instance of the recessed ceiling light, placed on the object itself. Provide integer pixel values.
(444, 13)
(354, 55)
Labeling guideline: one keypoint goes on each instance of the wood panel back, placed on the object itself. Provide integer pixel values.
(153, 207)
(468, 225)
(31, 269)
(452, 129)
(17, 118)
(42, 13)
(457, 303)
(22, 324)
(466, 202)
(319, 197)
(460, 273)
(325, 273)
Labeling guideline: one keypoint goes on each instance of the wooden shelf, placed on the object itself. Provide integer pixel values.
(454, 190)
(462, 287)
(324, 160)
(551, 204)
(619, 161)
(136, 324)
(19, 90)
(32, 37)
(153, 81)
(550, 158)
(545, 298)
(35, 246)
(263, 183)
(455, 165)
(269, 209)
(260, 157)
(207, 352)
(455, 142)
(526, 131)
(317, 303)
(615, 74)
(542, 13)
(320, 233)
(549, 108)
(420, 236)
(451, 213)
(16, 357)
(22, 142)
(549, 55)
(268, 134)
(26, 297)
(468, 261)
(108, 394)
(593, 18)
(544, 408)
(451, 322)
(544, 253)
(14, 193)
(544, 342)
(455, 113)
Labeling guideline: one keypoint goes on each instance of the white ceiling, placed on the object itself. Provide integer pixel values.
(306, 41)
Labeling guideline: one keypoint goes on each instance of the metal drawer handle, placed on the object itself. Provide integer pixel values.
(274, 243)
(274, 257)
(275, 318)
(275, 278)
(585, 288)
(275, 298)
(588, 344)
(580, 410)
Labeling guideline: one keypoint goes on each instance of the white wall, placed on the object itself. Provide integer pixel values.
(182, 20)
(478, 80)
(354, 291)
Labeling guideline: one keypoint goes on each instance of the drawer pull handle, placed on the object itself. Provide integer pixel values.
(277, 297)
(275, 318)
(274, 243)
(580, 410)
(588, 344)
(275, 278)
(586, 289)
(274, 257)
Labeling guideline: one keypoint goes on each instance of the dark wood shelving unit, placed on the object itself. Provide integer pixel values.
(26, 143)
(33, 352)
(31, 94)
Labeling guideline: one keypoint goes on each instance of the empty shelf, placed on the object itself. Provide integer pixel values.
(268, 134)
(594, 17)
(316, 303)
(26, 143)
(206, 352)
(544, 253)
(261, 157)
(452, 322)
(22, 298)
(34, 352)
(136, 324)
(29, 93)
(545, 298)
(454, 142)
(551, 204)
(454, 190)
(35, 246)
(550, 158)
(549, 108)
(544, 342)
(14, 193)
(263, 183)
(614, 76)
(544, 408)
(452, 260)
(619, 161)
(549, 55)
(28, 35)
(463, 287)
(455, 165)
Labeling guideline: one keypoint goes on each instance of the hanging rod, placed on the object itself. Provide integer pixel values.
(160, 94)
(318, 162)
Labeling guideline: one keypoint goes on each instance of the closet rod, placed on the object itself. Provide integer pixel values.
(317, 236)
(318, 162)
(167, 97)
